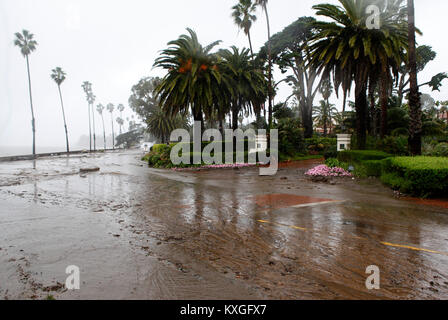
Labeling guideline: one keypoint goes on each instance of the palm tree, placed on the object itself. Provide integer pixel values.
(415, 127)
(244, 17)
(110, 107)
(160, 125)
(193, 80)
(91, 99)
(59, 76)
(324, 114)
(347, 49)
(100, 108)
(264, 4)
(121, 109)
(248, 83)
(120, 122)
(25, 41)
(87, 87)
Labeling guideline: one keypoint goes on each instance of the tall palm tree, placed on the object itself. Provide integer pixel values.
(248, 83)
(91, 99)
(264, 5)
(25, 41)
(347, 49)
(87, 87)
(415, 127)
(100, 108)
(120, 122)
(110, 107)
(243, 16)
(193, 79)
(121, 109)
(59, 76)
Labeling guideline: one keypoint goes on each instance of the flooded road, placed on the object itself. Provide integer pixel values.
(141, 233)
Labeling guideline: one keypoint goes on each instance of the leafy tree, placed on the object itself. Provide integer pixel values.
(130, 138)
(143, 100)
(100, 109)
(350, 51)
(59, 76)
(289, 49)
(243, 16)
(146, 104)
(193, 81)
(26, 43)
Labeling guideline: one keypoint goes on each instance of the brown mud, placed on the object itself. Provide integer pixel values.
(141, 233)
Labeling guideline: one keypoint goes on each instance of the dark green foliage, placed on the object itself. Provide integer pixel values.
(418, 176)
(290, 137)
(318, 145)
(330, 152)
(393, 145)
(332, 163)
(356, 156)
(130, 139)
(373, 168)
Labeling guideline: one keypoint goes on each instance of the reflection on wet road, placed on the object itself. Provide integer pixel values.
(144, 233)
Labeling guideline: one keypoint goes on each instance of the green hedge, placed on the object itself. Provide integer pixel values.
(373, 168)
(418, 176)
(356, 156)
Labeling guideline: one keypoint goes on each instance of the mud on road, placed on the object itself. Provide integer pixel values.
(141, 233)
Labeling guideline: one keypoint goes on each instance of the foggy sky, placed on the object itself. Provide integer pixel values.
(113, 44)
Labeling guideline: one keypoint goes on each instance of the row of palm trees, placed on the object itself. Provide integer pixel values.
(27, 44)
(209, 84)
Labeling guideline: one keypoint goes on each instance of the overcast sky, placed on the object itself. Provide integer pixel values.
(113, 43)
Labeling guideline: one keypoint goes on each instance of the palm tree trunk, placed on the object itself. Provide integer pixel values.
(384, 86)
(270, 93)
(361, 108)
(250, 45)
(93, 124)
(33, 120)
(104, 132)
(65, 122)
(113, 133)
(415, 127)
(90, 130)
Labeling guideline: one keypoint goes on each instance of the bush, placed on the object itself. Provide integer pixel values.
(373, 168)
(393, 145)
(418, 176)
(439, 150)
(290, 136)
(332, 163)
(331, 152)
(320, 145)
(357, 156)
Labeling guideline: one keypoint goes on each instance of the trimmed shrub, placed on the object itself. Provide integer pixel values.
(373, 168)
(418, 176)
(356, 156)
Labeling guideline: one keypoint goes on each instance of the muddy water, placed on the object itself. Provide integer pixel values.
(140, 233)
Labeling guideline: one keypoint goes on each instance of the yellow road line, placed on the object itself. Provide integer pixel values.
(412, 248)
(383, 243)
(283, 225)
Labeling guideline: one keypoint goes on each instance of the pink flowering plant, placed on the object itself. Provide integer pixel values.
(325, 171)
